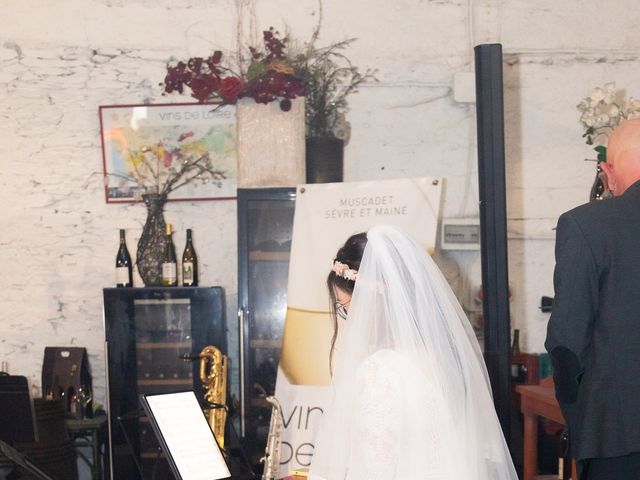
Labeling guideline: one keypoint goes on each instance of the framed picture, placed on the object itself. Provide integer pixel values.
(146, 146)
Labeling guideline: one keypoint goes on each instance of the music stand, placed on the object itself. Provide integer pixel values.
(185, 436)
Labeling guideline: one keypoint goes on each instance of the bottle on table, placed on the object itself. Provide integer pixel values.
(124, 266)
(72, 402)
(169, 262)
(515, 345)
(564, 457)
(189, 263)
(84, 396)
(517, 373)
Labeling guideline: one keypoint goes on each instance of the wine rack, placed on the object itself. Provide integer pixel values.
(147, 331)
(265, 224)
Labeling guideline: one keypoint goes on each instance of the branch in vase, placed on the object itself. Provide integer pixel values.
(215, 175)
(187, 167)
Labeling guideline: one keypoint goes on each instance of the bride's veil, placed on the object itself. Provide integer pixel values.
(403, 304)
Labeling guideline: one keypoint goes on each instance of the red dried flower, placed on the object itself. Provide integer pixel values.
(195, 64)
(272, 43)
(214, 60)
(231, 88)
(204, 85)
(176, 77)
(270, 77)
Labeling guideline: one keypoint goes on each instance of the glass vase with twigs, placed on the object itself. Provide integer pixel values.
(157, 170)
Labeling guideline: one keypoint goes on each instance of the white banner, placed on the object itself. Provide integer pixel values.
(325, 216)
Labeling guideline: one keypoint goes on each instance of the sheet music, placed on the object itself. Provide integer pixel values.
(187, 434)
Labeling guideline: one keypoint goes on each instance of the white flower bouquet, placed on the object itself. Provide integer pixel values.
(602, 111)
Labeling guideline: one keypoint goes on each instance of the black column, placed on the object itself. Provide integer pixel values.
(493, 224)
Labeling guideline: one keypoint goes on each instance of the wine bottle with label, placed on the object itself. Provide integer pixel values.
(169, 262)
(189, 263)
(123, 264)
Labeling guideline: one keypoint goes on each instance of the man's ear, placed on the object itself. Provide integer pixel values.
(610, 175)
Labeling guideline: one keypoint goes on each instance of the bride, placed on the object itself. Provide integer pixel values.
(411, 395)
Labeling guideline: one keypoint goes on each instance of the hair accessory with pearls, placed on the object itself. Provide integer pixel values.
(343, 270)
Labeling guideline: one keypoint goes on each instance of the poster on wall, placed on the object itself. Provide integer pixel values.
(143, 146)
(325, 216)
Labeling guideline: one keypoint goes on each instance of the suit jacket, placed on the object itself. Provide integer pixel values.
(593, 335)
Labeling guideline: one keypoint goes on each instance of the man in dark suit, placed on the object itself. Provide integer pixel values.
(593, 335)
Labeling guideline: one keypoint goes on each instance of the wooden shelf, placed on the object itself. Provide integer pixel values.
(152, 455)
(260, 256)
(160, 345)
(165, 381)
(267, 343)
(260, 402)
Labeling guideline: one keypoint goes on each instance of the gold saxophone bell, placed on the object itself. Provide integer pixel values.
(213, 374)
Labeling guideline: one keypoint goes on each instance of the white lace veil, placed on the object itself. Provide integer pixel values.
(403, 304)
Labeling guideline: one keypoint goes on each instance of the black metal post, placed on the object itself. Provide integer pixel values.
(493, 225)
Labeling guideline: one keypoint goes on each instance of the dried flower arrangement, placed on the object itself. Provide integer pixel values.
(324, 75)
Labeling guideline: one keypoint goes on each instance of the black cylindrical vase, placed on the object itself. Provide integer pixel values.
(324, 159)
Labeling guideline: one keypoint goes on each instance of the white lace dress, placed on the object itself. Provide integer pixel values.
(399, 426)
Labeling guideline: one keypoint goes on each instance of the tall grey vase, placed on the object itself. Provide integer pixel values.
(153, 240)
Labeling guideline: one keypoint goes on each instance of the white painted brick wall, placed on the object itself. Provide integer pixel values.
(60, 60)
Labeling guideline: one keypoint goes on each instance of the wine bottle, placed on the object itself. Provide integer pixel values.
(517, 369)
(515, 346)
(564, 457)
(123, 264)
(169, 262)
(72, 405)
(189, 263)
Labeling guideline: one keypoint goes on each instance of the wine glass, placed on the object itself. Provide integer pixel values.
(84, 399)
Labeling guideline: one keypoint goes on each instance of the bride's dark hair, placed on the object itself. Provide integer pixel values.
(351, 255)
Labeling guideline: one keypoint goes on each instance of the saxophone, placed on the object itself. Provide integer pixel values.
(213, 374)
(271, 457)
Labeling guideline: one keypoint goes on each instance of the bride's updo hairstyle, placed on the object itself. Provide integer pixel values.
(350, 255)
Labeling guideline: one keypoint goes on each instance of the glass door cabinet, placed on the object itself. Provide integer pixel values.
(147, 330)
(265, 224)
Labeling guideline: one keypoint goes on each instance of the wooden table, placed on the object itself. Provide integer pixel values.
(537, 401)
